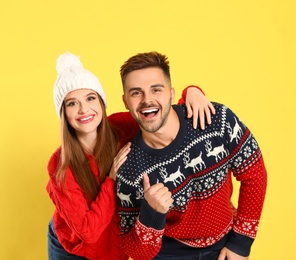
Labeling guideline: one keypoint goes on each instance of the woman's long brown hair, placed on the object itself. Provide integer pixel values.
(73, 155)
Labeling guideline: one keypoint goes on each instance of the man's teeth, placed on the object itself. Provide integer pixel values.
(86, 118)
(150, 111)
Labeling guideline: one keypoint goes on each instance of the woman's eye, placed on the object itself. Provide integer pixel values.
(70, 104)
(90, 98)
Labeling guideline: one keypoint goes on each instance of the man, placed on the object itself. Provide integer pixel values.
(174, 191)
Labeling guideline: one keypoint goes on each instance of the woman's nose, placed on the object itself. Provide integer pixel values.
(83, 108)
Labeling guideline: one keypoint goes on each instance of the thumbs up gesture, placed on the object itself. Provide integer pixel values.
(158, 196)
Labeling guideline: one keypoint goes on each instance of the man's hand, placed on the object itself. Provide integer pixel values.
(158, 196)
(229, 255)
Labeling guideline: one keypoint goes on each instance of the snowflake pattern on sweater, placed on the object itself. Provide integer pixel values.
(196, 167)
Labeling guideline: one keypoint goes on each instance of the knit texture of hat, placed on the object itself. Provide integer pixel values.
(72, 76)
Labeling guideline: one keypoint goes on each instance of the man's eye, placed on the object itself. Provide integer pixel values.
(136, 93)
(155, 90)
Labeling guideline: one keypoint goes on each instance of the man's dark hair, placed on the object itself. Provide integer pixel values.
(143, 61)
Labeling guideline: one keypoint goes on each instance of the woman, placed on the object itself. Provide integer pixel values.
(82, 174)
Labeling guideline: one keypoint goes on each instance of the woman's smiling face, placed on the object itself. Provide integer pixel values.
(83, 111)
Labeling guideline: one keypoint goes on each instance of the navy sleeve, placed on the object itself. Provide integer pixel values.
(151, 218)
(239, 244)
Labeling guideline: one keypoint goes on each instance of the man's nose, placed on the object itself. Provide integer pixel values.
(146, 98)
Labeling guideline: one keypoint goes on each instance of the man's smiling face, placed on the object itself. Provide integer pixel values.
(148, 96)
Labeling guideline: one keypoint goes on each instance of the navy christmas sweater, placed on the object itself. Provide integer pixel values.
(197, 168)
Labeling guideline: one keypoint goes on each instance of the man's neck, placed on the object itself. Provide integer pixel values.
(165, 135)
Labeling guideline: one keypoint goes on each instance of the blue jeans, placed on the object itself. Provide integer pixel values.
(210, 255)
(55, 249)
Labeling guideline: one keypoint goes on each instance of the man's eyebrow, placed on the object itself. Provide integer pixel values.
(152, 86)
(133, 89)
(157, 86)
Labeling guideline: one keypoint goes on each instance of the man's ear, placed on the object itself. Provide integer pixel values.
(124, 102)
(172, 95)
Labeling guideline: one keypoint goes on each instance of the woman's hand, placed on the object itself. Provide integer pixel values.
(198, 106)
(119, 160)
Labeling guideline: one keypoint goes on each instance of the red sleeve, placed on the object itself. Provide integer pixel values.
(141, 242)
(182, 100)
(87, 222)
(247, 166)
(253, 178)
(125, 126)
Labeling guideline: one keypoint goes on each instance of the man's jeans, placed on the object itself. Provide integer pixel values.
(211, 255)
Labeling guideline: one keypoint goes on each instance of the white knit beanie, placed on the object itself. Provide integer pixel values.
(71, 76)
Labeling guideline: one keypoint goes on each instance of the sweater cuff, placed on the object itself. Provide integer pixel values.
(151, 218)
(182, 100)
(239, 244)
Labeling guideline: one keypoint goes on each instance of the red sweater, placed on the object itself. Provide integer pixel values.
(89, 231)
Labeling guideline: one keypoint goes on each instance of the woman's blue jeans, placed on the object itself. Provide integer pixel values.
(55, 249)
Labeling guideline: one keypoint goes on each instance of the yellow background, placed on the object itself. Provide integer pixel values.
(242, 53)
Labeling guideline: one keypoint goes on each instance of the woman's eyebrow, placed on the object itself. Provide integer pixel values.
(69, 99)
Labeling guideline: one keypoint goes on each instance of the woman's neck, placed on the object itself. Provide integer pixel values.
(88, 142)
